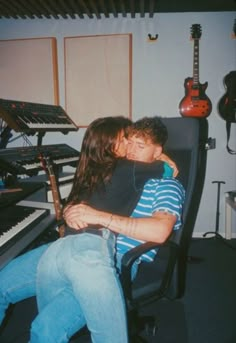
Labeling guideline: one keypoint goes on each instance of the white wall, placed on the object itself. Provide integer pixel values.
(159, 70)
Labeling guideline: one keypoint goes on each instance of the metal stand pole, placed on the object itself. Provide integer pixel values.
(216, 232)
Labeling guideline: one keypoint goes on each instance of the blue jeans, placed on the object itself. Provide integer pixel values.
(77, 284)
(17, 279)
(98, 301)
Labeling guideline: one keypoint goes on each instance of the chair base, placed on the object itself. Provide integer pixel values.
(142, 324)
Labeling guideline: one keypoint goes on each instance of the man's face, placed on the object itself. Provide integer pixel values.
(142, 149)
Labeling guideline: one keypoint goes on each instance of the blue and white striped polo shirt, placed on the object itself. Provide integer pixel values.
(158, 195)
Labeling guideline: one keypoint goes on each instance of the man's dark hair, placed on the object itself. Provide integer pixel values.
(150, 128)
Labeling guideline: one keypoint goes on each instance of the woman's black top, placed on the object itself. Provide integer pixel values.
(121, 194)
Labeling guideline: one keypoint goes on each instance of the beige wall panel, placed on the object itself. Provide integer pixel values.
(97, 77)
(28, 70)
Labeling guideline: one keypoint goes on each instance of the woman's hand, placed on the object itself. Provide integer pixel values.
(164, 158)
(73, 218)
(81, 216)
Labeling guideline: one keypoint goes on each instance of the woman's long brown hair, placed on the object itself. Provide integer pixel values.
(97, 158)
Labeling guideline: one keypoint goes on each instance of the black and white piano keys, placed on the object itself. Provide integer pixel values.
(21, 224)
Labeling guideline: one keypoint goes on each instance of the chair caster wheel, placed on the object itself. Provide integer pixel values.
(151, 328)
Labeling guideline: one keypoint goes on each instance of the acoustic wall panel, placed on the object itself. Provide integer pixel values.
(98, 73)
(28, 70)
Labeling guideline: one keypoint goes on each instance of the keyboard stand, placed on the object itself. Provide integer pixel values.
(5, 136)
(40, 138)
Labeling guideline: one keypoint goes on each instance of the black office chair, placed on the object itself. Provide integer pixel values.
(165, 277)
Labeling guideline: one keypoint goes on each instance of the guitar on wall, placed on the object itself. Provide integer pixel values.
(195, 103)
(48, 167)
(227, 103)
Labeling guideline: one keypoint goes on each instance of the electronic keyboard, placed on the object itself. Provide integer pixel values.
(30, 117)
(26, 160)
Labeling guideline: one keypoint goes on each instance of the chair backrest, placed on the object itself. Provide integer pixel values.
(186, 145)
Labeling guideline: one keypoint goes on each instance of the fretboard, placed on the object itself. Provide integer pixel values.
(196, 62)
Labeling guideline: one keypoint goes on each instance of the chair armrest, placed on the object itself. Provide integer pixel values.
(129, 258)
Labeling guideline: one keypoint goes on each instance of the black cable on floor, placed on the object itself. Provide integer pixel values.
(222, 239)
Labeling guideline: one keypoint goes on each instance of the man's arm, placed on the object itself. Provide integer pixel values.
(152, 229)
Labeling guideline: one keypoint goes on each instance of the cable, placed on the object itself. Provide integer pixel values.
(222, 239)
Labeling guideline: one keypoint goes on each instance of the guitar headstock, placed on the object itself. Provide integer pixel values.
(196, 31)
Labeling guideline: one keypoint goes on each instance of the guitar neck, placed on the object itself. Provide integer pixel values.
(48, 167)
(57, 203)
(196, 62)
(56, 198)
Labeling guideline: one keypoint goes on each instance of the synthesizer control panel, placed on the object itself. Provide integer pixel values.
(26, 160)
(30, 117)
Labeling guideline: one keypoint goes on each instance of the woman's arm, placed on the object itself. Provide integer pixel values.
(164, 158)
(153, 229)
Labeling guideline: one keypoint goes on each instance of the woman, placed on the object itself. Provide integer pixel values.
(82, 265)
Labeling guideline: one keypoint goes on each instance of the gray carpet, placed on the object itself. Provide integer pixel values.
(206, 313)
